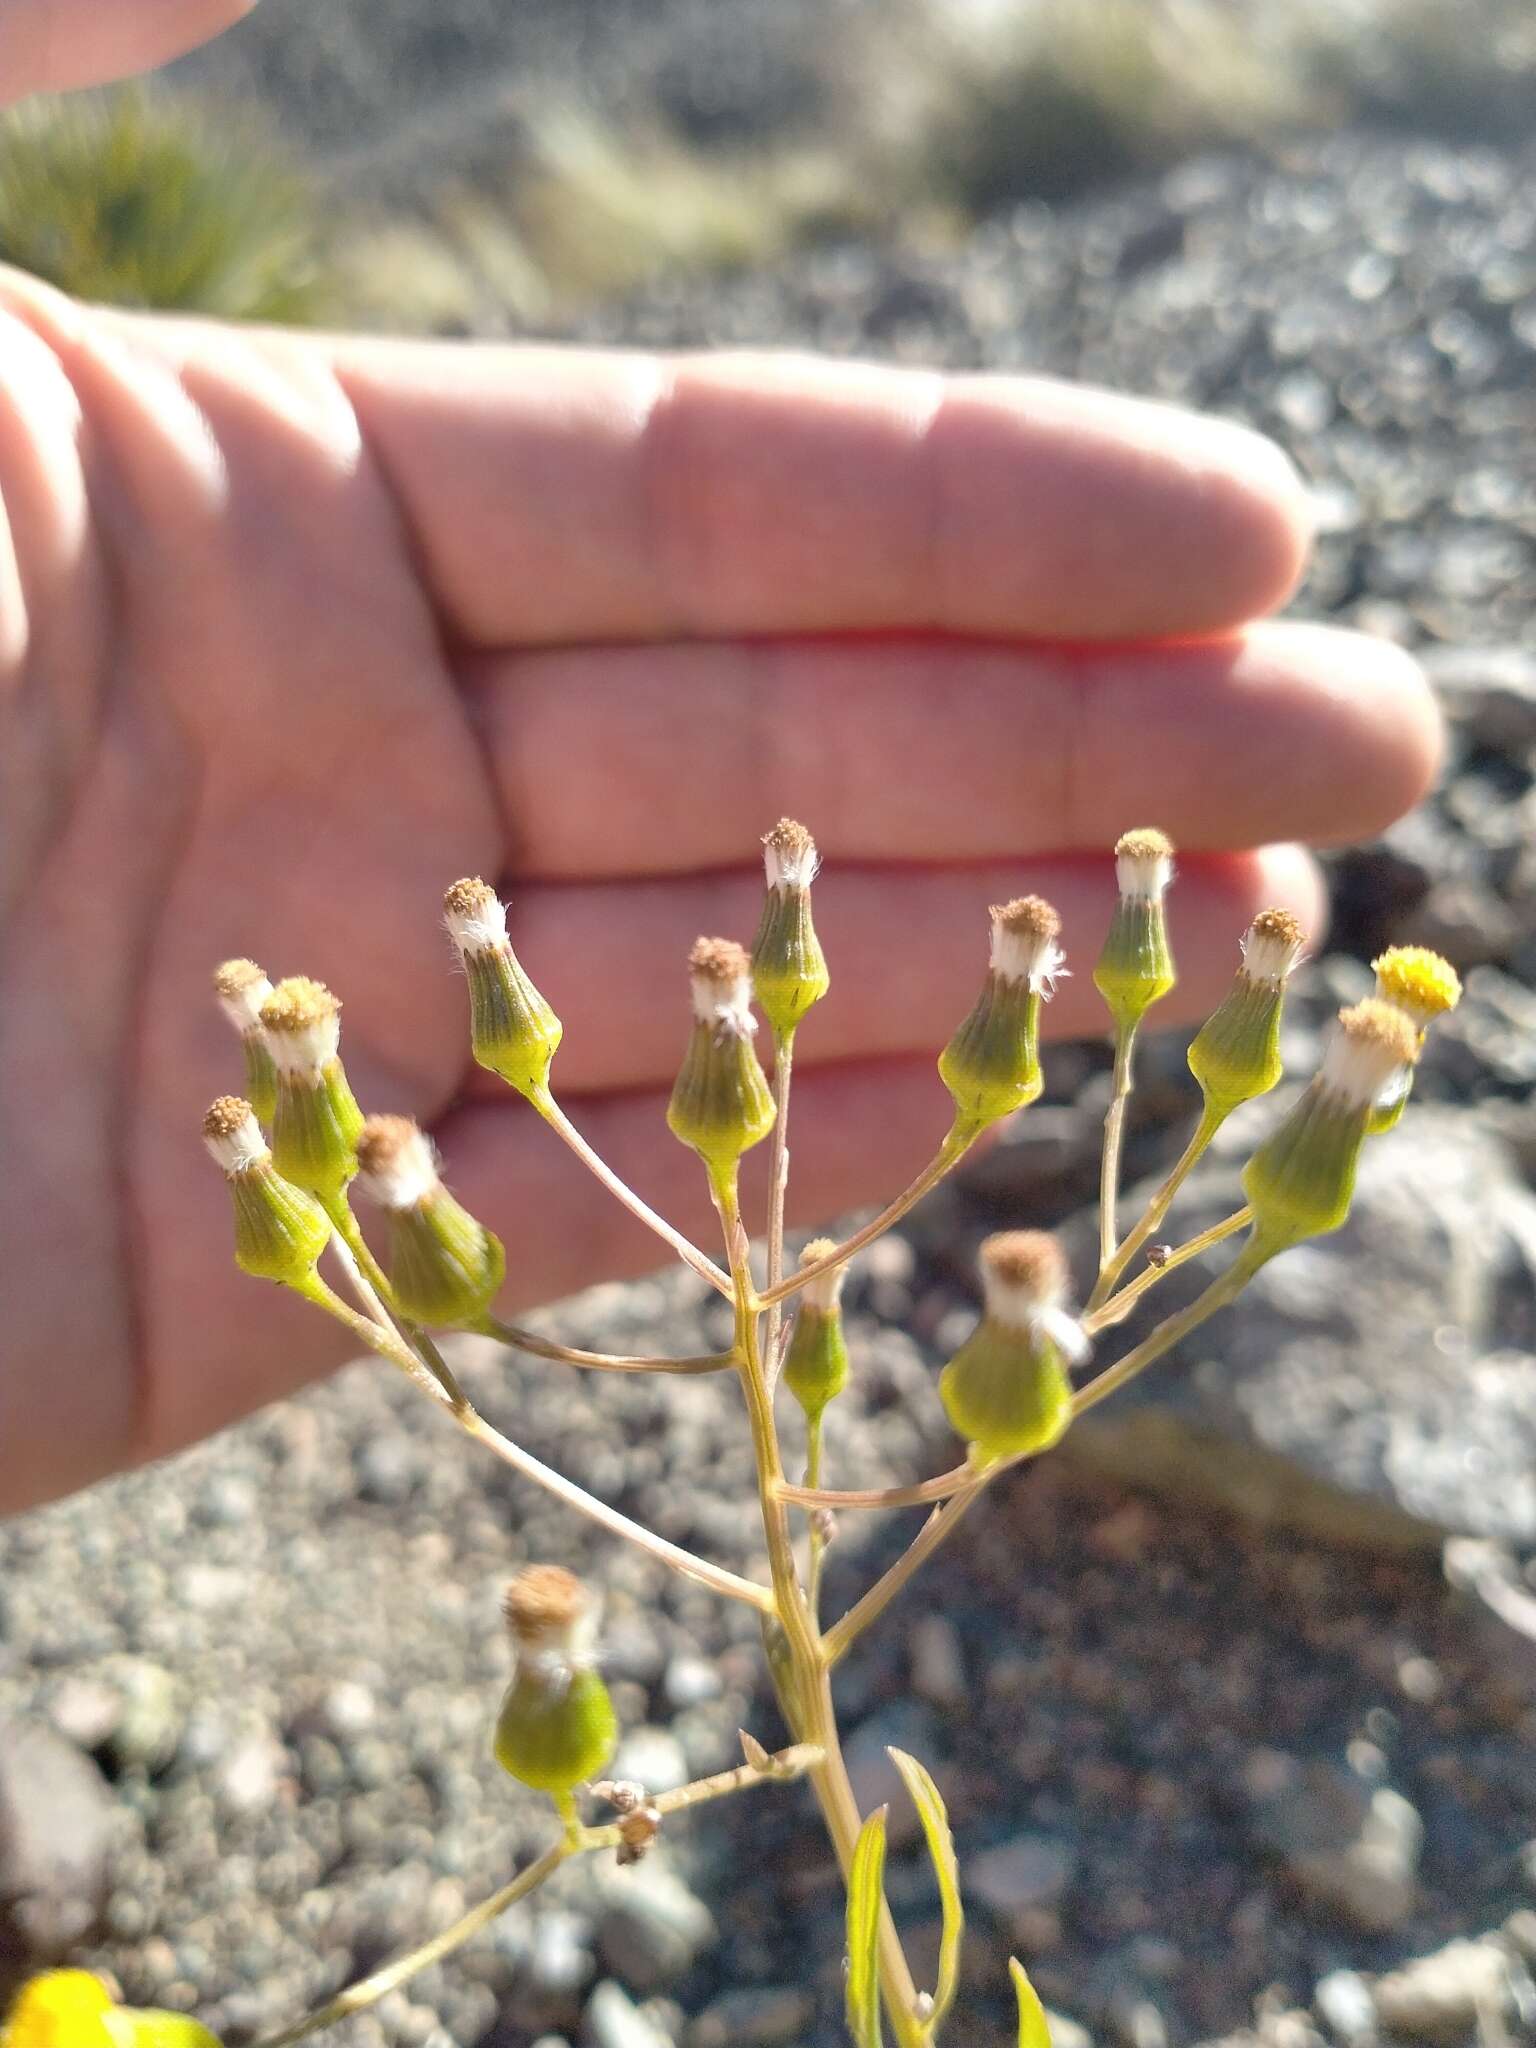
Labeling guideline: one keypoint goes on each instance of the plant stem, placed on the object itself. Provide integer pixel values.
(1211, 1121)
(943, 1520)
(810, 1707)
(818, 1540)
(577, 1840)
(959, 1141)
(1226, 1287)
(1114, 1132)
(597, 1361)
(685, 1248)
(1119, 1306)
(935, 1530)
(778, 1184)
(393, 1347)
(699, 1569)
(924, 1493)
(369, 1990)
(370, 1284)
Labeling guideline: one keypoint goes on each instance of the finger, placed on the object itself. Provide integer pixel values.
(563, 496)
(907, 951)
(53, 45)
(938, 750)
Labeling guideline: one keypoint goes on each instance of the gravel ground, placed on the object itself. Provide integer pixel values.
(1201, 1756)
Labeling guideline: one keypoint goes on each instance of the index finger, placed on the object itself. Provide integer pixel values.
(54, 45)
(560, 495)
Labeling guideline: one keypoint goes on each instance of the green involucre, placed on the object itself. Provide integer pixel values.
(556, 1735)
(280, 1230)
(1006, 1391)
(992, 1064)
(816, 1364)
(444, 1267)
(1301, 1180)
(315, 1128)
(789, 969)
(721, 1104)
(1235, 1055)
(1135, 969)
(260, 1077)
(513, 1032)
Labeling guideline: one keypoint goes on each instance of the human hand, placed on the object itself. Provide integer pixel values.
(294, 631)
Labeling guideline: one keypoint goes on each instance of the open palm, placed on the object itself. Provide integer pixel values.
(293, 632)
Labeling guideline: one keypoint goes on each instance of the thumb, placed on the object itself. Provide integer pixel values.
(50, 45)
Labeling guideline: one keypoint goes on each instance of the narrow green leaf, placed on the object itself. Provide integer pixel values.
(1034, 2030)
(931, 1811)
(865, 1894)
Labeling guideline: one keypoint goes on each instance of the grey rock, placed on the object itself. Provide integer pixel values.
(690, 1680)
(1350, 1846)
(652, 1757)
(1021, 1875)
(1345, 2006)
(150, 1717)
(249, 1776)
(613, 2020)
(56, 1824)
(938, 1667)
(652, 1928)
(561, 1958)
(760, 2018)
(1490, 692)
(1440, 1997)
(1067, 2032)
(1377, 1385)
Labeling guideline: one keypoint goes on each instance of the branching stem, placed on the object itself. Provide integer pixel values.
(959, 1141)
(1119, 1306)
(1114, 1134)
(1210, 1123)
(622, 1192)
(598, 1361)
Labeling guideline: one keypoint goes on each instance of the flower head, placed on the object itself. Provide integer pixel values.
(720, 983)
(445, 1268)
(302, 1020)
(513, 1031)
(790, 859)
(1272, 946)
(789, 969)
(280, 1230)
(1422, 984)
(556, 1728)
(1025, 948)
(1144, 863)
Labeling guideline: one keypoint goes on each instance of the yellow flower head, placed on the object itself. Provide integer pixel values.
(64, 2009)
(72, 2009)
(1418, 982)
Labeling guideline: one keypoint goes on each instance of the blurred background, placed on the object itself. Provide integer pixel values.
(1234, 1699)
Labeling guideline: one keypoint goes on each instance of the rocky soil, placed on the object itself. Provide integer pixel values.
(1209, 1772)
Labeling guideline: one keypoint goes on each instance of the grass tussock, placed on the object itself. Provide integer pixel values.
(134, 198)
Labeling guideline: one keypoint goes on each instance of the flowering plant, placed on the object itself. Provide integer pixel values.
(296, 1146)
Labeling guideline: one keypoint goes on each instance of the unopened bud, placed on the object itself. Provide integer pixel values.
(280, 1231)
(1006, 1389)
(721, 1104)
(1301, 1180)
(816, 1363)
(242, 987)
(557, 1727)
(789, 970)
(444, 1267)
(512, 1030)
(1135, 969)
(1235, 1055)
(992, 1064)
(315, 1120)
